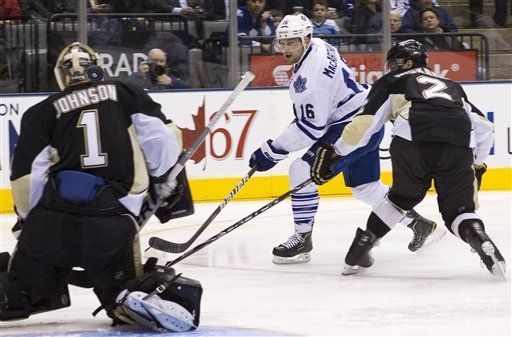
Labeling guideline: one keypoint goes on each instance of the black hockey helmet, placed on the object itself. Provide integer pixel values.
(408, 50)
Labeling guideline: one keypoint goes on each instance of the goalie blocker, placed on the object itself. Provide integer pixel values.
(180, 203)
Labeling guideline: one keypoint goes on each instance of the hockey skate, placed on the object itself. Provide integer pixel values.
(359, 255)
(422, 229)
(486, 249)
(295, 250)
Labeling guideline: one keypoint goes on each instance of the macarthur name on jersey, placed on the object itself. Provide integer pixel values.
(332, 55)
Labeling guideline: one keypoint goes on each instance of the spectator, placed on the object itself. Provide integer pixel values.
(110, 30)
(290, 6)
(9, 57)
(395, 22)
(44, 9)
(367, 20)
(277, 16)
(175, 50)
(254, 21)
(191, 10)
(478, 17)
(342, 7)
(321, 24)
(216, 9)
(9, 9)
(154, 73)
(411, 21)
(347, 8)
(430, 24)
(401, 6)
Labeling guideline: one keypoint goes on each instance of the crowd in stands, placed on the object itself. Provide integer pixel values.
(331, 18)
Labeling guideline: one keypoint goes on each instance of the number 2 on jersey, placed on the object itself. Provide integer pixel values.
(436, 88)
(93, 156)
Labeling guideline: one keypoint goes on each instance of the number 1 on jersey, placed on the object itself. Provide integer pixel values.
(93, 156)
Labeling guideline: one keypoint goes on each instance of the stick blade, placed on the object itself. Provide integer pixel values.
(167, 246)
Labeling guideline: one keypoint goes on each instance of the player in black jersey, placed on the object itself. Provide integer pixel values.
(85, 159)
(438, 135)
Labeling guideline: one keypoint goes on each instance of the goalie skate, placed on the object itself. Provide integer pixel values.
(296, 250)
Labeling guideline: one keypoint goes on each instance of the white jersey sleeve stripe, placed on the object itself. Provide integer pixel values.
(306, 132)
(345, 118)
(311, 125)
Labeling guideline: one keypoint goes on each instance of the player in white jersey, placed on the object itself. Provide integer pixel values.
(325, 98)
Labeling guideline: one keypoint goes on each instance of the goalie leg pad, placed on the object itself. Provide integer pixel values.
(14, 305)
(184, 292)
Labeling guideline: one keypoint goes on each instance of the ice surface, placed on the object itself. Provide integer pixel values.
(440, 290)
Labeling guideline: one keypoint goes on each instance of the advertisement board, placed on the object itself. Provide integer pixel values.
(258, 115)
(368, 67)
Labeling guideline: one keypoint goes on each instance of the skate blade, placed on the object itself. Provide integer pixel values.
(349, 270)
(300, 258)
(436, 235)
(498, 269)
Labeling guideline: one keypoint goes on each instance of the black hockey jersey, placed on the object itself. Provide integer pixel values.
(422, 107)
(110, 130)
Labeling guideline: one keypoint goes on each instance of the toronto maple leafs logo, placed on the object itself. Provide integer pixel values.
(300, 84)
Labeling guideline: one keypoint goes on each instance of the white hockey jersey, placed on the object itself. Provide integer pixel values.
(324, 92)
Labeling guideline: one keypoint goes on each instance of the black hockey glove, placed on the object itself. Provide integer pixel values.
(179, 203)
(479, 172)
(322, 169)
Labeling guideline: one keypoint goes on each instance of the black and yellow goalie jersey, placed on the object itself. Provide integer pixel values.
(110, 130)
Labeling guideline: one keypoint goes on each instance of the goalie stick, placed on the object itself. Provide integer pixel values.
(172, 247)
(151, 204)
(238, 223)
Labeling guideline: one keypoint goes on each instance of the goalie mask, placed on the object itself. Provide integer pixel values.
(76, 63)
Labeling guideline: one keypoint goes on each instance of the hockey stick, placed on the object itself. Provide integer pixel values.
(238, 223)
(172, 247)
(151, 204)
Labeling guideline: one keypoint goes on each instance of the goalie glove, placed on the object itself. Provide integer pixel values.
(326, 164)
(479, 172)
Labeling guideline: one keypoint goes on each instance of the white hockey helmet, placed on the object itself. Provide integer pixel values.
(293, 26)
(77, 62)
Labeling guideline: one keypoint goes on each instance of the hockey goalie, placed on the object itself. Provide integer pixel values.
(85, 159)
